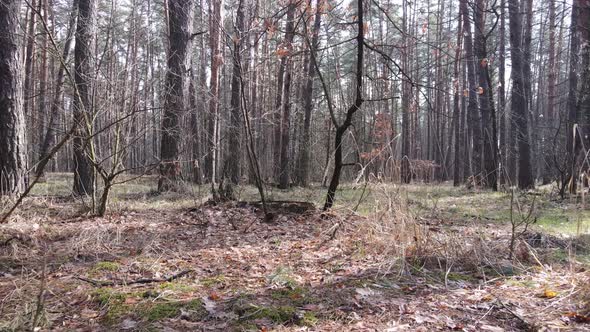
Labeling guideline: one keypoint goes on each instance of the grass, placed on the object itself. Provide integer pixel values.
(441, 201)
(438, 234)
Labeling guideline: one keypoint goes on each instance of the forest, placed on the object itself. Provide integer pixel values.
(294, 165)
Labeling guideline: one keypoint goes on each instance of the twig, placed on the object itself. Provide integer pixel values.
(103, 283)
(41, 295)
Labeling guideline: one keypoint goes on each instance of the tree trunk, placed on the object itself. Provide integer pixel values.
(503, 153)
(216, 58)
(235, 126)
(84, 174)
(341, 129)
(13, 148)
(457, 115)
(488, 118)
(548, 171)
(284, 171)
(180, 25)
(50, 133)
(472, 110)
(519, 103)
(305, 151)
(405, 171)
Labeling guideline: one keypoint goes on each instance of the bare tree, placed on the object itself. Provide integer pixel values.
(341, 128)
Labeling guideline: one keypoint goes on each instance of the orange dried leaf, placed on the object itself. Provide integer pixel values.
(549, 294)
(214, 296)
(281, 52)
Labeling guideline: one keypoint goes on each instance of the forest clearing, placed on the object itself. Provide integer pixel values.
(294, 165)
(415, 258)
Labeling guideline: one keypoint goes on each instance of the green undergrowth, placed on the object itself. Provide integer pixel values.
(147, 306)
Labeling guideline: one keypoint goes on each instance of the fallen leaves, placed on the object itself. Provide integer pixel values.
(549, 294)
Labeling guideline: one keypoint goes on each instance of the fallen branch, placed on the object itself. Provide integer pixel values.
(104, 283)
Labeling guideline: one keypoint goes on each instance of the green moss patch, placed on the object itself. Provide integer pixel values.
(213, 281)
(106, 266)
(294, 295)
(278, 315)
(113, 303)
(193, 309)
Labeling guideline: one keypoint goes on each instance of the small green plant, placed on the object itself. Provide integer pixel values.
(113, 302)
(282, 277)
(106, 266)
(309, 319)
(213, 281)
(162, 310)
(278, 315)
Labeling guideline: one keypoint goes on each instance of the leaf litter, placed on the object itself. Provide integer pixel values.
(305, 272)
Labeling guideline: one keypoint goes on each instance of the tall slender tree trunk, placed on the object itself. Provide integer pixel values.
(284, 165)
(235, 126)
(29, 91)
(13, 145)
(519, 103)
(175, 105)
(504, 150)
(472, 109)
(405, 172)
(216, 58)
(457, 114)
(305, 151)
(84, 174)
(43, 82)
(49, 134)
(486, 104)
(548, 169)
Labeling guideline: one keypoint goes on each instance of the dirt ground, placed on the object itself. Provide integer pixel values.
(222, 268)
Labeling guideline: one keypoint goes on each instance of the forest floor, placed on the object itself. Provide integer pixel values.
(387, 258)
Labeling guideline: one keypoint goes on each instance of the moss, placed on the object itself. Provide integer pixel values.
(177, 286)
(162, 310)
(106, 266)
(107, 295)
(459, 277)
(278, 315)
(309, 319)
(114, 304)
(213, 281)
(295, 295)
(245, 327)
(282, 276)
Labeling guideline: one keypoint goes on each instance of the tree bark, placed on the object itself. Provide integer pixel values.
(13, 148)
(473, 117)
(549, 167)
(216, 59)
(180, 26)
(84, 173)
(519, 103)
(457, 114)
(235, 126)
(284, 165)
(305, 151)
(486, 104)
